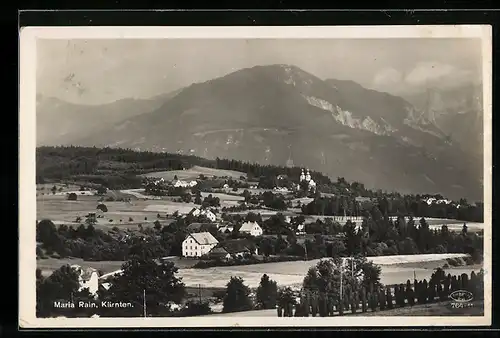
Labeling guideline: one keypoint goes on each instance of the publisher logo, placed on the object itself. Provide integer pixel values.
(461, 296)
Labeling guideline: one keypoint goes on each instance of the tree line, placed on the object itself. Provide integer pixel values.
(408, 205)
(318, 302)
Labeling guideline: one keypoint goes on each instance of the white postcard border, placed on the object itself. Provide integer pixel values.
(27, 146)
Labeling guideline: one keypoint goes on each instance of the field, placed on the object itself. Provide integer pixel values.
(194, 172)
(395, 270)
(121, 214)
(50, 264)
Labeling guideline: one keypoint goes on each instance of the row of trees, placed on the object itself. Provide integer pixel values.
(317, 302)
(395, 206)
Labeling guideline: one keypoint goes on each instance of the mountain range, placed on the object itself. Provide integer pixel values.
(282, 115)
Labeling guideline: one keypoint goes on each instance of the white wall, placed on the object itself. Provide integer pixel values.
(92, 284)
(192, 249)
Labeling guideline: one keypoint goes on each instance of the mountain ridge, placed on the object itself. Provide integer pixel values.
(281, 114)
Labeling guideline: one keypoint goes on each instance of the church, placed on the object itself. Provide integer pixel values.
(307, 179)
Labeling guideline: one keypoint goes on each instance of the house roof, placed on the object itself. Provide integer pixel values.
(235, 245)
(226, 227)
(204, 238)
(248, 226)
(199, 226)
(218, 251)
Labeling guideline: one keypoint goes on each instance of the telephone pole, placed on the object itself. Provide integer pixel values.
(144, 302)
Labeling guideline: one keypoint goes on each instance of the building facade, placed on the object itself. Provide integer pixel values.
(198, 244)
(87, 278)
(252, 228)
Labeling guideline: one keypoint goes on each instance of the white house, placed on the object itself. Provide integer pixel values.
(204, 212)
(184, 184)
(301, 229)
(198, 244)
(252, 228)
(87, 278)
(226, 228)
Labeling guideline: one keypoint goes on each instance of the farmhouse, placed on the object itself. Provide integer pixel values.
(184, 184)
(198, 244)
(232, 249)
(301, 229)
(226, 228)
(87, 278)
(196, 212)
(252, 228)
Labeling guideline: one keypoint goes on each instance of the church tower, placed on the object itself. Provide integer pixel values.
(302, 176)
(308, 176)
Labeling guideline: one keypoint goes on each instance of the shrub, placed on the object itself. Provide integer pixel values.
(196, 308)
(102, 207)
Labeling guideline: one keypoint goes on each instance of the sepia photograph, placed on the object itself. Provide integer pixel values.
(221, 176)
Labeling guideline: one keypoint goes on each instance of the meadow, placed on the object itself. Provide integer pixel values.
(125, 215)
(395, 270)
(194, 173)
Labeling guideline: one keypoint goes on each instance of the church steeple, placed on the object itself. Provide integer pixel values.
(308, 176)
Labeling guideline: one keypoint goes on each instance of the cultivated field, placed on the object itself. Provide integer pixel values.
(194, 172)
(120, 214)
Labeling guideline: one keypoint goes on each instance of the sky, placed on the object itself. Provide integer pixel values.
(98, 71)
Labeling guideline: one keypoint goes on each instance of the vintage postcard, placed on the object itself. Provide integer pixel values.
(255, 176)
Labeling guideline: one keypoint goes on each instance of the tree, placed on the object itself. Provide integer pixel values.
(267, 293)
(286, 300)
(237, 296)
(186, 198)
(61, 285)
(157, 225)
(352, 238)
(72, 197)
(142, 274)
(102, 207)
(196, 308)
(101, 190)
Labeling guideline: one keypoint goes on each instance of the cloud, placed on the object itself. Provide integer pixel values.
(421, 76)
(437, 74)
(387, 77)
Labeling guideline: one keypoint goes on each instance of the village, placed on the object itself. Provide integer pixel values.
(234, 225)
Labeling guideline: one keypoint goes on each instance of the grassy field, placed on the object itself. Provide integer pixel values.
(194, 172)
(395, 270)
(49, 265)
(120, 214)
